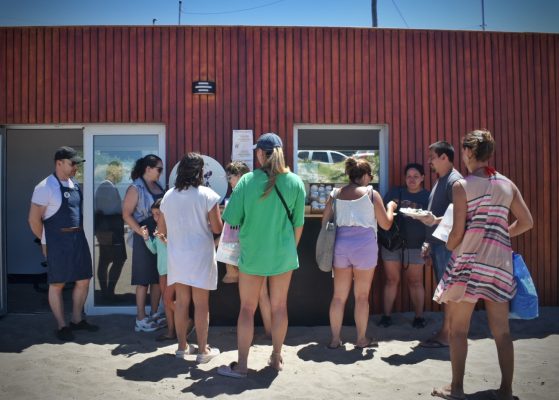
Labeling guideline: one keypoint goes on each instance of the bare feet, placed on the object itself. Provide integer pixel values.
(446, 392)
(276, 361)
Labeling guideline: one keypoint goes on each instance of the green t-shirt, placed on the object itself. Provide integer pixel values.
(266, 234)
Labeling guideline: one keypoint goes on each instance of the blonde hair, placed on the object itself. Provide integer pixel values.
(273, 166)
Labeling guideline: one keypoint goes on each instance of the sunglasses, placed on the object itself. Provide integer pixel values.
(159, 169)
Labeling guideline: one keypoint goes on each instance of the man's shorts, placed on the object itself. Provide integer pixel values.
(409, 256)
(356, 247)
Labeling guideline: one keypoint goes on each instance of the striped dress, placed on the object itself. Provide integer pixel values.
(481, 266)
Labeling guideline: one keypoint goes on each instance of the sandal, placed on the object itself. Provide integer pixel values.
(370, 343)
(227, 370)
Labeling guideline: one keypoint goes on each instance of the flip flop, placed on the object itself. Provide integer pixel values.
(370, 343)
(334, 347)
(271, 361)
(227, 370)
(440, 392)
(164, 337)
(433, 344)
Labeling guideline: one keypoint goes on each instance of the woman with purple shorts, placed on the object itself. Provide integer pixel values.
(358, 210)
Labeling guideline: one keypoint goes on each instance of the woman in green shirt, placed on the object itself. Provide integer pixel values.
(269, 205)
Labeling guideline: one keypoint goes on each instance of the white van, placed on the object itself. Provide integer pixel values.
(324, 156)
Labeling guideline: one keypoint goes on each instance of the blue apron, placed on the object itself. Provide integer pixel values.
(68, 255)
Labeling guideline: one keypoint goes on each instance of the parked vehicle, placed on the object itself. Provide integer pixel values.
(324, 156)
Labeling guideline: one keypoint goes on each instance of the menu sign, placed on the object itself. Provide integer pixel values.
(242, 147)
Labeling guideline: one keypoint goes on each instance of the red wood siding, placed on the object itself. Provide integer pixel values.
(425, 85)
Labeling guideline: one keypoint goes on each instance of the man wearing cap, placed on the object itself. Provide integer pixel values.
(56, 213)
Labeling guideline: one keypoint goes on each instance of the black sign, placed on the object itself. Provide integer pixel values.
(203, 87)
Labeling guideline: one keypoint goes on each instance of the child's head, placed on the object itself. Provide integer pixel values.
(234, 171)
(155, 211)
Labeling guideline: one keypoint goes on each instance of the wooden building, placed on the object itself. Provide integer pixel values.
(417, 86)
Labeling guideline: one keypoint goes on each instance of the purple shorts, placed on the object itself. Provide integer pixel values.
(355, 247)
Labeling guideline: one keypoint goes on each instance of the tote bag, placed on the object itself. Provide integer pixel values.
(326, 241)
(524, 304)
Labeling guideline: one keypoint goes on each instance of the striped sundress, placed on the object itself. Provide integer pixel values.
(481, 266)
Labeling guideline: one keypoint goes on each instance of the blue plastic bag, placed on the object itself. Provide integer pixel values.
(524, 304)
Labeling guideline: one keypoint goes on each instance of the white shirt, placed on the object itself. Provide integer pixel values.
(47, 193)
(190, 244)
(358, 212)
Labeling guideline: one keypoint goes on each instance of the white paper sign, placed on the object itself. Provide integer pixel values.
(445, 226)
(242, 147)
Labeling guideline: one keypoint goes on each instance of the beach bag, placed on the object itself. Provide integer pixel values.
(229, 248)
(326, 241)
(392, 239)
(524, 304)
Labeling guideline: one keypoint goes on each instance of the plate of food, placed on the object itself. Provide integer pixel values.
(415, 212)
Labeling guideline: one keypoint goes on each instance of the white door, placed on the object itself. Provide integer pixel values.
(110, 152)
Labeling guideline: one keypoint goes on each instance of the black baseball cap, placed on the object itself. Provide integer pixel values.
(68, 153)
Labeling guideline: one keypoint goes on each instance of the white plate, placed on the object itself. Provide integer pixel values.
(414, 212)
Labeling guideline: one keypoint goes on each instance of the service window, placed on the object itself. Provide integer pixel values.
(322, 151)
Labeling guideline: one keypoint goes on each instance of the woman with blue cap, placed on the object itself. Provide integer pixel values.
(269, 205)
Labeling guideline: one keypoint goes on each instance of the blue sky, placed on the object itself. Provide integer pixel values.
(500, 15)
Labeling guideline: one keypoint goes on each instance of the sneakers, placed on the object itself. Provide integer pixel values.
(205, 358)
(385, 321)
(159, 319)
(64, 334)
(145, 325)
(419, 322)
(83, 325)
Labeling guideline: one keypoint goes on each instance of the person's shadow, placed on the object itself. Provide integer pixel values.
(345, 354)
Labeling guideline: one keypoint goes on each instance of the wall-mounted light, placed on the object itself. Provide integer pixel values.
(203, 87)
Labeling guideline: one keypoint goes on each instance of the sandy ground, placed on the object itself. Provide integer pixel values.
(117, 363)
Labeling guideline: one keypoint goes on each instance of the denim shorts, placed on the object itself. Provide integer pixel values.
(410, 256)
(356, 247)
(440, 256)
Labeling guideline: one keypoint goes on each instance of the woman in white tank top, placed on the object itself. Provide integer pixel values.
(358, 210)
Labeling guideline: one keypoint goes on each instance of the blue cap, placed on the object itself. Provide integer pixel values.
(268, 142)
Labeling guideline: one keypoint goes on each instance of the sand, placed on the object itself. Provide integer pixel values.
(117, 363)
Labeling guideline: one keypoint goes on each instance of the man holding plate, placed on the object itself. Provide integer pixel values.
(441, 161)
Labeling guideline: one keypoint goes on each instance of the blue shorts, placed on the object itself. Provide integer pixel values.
(356, 247)
(440, 256)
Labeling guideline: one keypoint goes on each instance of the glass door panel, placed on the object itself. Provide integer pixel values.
(114, 157)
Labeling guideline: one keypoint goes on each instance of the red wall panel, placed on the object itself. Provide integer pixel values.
(426, 85)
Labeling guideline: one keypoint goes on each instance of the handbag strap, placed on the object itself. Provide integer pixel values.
(289, 213)
(335, 193)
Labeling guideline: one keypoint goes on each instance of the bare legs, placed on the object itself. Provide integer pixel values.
(414, 276)
(56, 302)
(497, 314)
(459, 316)
(250, 288)
(343, 278)
(141, 295)
(265, 309)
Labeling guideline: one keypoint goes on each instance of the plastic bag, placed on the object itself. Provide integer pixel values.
(229, 248)
(524, 304)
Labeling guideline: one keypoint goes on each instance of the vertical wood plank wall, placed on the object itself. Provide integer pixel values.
(425, 85)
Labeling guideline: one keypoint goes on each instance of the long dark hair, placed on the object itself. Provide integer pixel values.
(139, 169)
(190, 172)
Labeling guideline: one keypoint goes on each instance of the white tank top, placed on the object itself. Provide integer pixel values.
(358, 212)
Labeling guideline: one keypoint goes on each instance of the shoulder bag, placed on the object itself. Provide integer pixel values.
(326, 240)
(392, 239)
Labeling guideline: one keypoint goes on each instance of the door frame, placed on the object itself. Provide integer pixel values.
(3, 266)
(90, 131)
